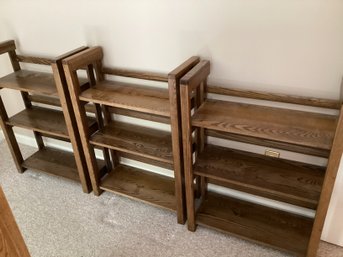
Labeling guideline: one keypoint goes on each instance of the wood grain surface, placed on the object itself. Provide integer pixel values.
(11, 241)
(129, 96)
(146, 142)
(282, 125)
(263, 225)
(283, 180)
(30, 81)
(138, 184)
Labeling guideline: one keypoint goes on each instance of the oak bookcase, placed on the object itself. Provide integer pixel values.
(292, 182)
(132, 141)
(53, 117)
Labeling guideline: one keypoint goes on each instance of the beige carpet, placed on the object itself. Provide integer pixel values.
(57, 219)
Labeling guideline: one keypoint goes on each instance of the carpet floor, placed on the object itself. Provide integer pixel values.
(57, 219)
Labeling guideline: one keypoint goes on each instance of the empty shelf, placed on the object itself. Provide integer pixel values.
(146, 142)
(128, 96)
(282, 125)
(138, 184)
(44, 120)
(30, 81)
(53, 161)
(283, 180)
(260, 224)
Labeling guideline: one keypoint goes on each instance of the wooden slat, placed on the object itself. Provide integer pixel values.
(84, 58)
(182, 69)
(146, 160)
(288, 181)
(129, 96)
(137, 184)
(35, 60)
(46, 121)
(275, 228)
(31, 82)
(11, 241)
(146, 142)
(155, 76)
(292, 99)
(54, 101)
(281, 125)
(7, 46)
(140, 115)
(196, 75)
(268, 143)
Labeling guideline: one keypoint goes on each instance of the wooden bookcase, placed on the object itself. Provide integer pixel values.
(288, 181)
(53, 117)
(130, 141)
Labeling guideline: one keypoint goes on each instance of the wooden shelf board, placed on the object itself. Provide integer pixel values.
(283, 180)
(40, 83)
(129, 96)
(281, 125)
(264, 225)
(44, 120)
(53, 161)
(145, 142)
(138, 184)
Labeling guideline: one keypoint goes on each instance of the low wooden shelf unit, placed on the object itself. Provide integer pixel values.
(291, 182)
(132, 141)
(53, 118)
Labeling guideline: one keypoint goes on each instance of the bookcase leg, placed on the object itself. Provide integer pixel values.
(327, 188)
(187, 151)
(10, 138)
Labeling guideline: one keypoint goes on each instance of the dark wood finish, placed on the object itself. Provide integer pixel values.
(53, 101)
(197, 75)
(31, 82)
(7, 46)
(81, 60)
(292, 182)
(35, 60)
(40, 119)
(138, 184)
(174, 78)
(268, 143)
(281, 125)
(292, 99)
(43, 120)
(146, 142)
(70, 120)
(275, 228)
(139, 158)
(328, 184)
(140, 115)
(10, 138)
(188, 153)
(81, 120)
(51, 90)
(11, 241)
(288, 181)
(54, 162)
(154, 76)
(129, 96)
(142, 102)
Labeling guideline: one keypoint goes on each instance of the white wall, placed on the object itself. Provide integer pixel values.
(293, 46)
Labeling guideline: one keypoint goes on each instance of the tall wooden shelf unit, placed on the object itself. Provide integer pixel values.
(53, 117)
(130, 141)
(288, 181)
